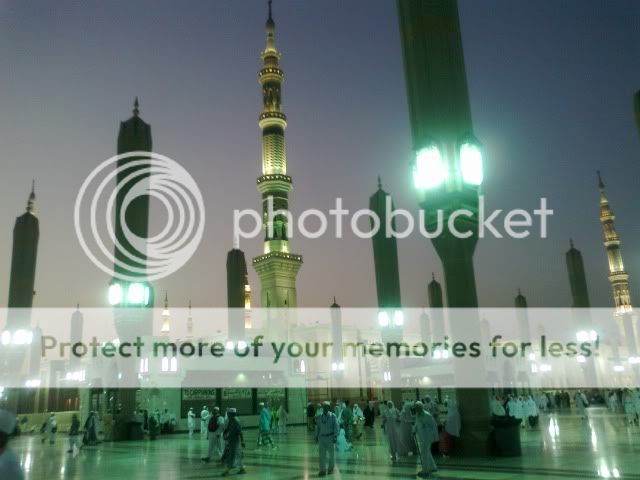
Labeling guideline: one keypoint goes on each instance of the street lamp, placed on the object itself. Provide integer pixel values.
(129, 294)
(435, 166)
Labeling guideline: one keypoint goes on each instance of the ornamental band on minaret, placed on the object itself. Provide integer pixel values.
(618, 278)
(277, 266)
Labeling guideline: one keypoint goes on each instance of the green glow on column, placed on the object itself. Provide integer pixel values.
(471, 164)
(429, 170)
(138, 294)
(115, 294)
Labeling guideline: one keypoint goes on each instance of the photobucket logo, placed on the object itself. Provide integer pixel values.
(139, 176)
(515, 223)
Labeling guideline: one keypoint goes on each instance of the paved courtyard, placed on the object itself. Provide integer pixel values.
(563, 447)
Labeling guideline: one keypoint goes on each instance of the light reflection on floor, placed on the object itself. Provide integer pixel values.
(563, 447)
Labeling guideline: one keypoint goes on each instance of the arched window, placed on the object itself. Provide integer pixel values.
(165, 364)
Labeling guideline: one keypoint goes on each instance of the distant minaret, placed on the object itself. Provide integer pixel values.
(189, 323)
(166, 317)
(26, 234)
(618, 278)
(337, 360)
(277, 267)
(77, 326)
(237, 281)
(577, 277)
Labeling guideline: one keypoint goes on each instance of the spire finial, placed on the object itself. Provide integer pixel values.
(77, 306)
(519, 292)
(189, 305)
(571, 242)
(433, 276)
(136, 107)
(32, 197)
(600, 182)
(166, 299)
(334, 299)
(379, 183)
(270, 17)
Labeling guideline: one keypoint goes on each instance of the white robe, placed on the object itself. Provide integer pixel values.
(426, 432)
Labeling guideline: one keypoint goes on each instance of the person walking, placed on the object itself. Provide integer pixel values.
(264, 426)
(426, 432)
(191, 421)
(326, 436)
(215, 432)
(235, 443)
(50, 429)
(204, 422)
(283, 418)
(74, 432)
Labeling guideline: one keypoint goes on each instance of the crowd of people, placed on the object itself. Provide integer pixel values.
(421, 429)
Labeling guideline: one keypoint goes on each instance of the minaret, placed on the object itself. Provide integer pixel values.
(166, 317)
(337, 360)
(618, 278)
(26, 234)
(76, 329)
(189, 323)
(277, 267)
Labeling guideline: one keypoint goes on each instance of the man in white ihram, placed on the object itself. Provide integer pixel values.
(426, 432)
(9, 465)
(204, 422)
(326, 436)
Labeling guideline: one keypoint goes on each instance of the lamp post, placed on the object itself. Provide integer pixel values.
(447, 172)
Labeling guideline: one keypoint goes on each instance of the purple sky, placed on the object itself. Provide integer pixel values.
(551, 87)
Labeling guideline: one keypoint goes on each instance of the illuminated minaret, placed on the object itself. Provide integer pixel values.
(166, 317)
(618, 278)
(277, 267)
(189, 323)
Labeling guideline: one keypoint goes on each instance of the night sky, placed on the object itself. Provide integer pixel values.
(551, 86)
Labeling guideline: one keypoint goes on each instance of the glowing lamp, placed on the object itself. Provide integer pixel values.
(115, 294)
(138, 294)
(429, 170)
(471, 163)
(383, 319)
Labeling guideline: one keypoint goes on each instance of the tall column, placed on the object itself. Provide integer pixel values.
(277, 266)
(577, 277)
(15, 350)
(130, 293)
(385, 259)
(434, 294)
(447, 170)
(237, 282)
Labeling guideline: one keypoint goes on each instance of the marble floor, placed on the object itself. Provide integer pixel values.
(563, 447)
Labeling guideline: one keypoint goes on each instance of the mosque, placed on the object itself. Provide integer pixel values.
(164, 383)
